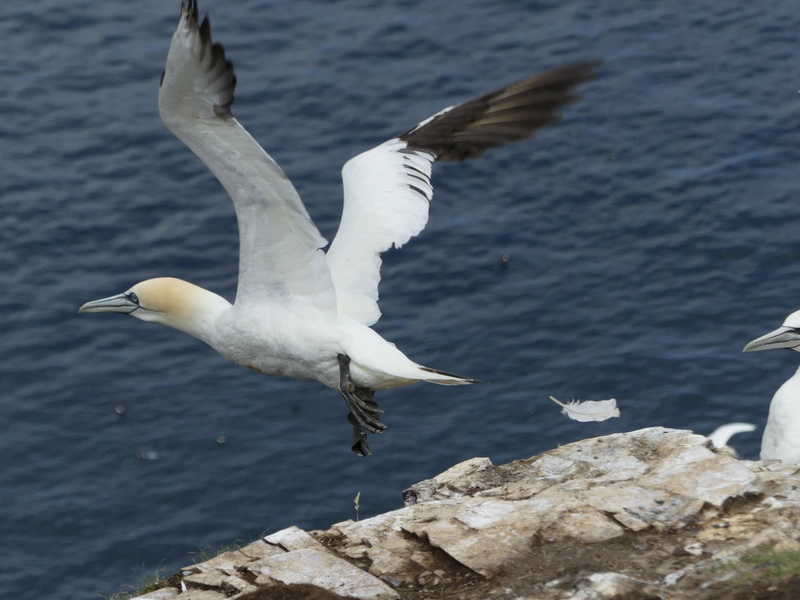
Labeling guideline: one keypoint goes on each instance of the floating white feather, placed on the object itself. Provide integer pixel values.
(589, 410)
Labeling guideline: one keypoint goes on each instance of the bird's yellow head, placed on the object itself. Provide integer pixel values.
(166, 300)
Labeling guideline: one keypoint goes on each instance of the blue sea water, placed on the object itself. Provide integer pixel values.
(649, 236)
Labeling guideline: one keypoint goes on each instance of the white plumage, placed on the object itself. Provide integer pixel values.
(722, 435)
(300, 312)
(589, 410)
(781, 440)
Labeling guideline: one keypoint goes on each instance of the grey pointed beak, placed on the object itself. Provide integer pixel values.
(120, 303)
(783, 337)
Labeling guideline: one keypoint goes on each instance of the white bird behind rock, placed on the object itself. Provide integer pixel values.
(781, 438)
(300, 312)
(722, 435)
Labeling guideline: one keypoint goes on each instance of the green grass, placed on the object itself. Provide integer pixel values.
(207, 553)
(775, 564)
(145, 584)
(766, 564)
(152, 582)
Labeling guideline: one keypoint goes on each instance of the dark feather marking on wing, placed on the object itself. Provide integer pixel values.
(416, 170)
(416, 151)
(419, 191)
(221, 76)
(189, 7)
(416, 173)
(507, 115)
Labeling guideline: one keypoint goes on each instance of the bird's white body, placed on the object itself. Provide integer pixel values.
(301, 312)
(280, 338)
(293, 345)
(781, 439)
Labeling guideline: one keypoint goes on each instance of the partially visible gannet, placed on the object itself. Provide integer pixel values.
(781, 438)
(722, 435)
(300, 312)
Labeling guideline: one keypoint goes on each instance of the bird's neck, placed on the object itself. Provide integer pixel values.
(202, 321)
(188, 308)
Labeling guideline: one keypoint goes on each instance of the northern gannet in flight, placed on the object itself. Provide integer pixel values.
(781, 440)
(301, 312)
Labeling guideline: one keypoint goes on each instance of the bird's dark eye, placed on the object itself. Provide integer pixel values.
(133, 298)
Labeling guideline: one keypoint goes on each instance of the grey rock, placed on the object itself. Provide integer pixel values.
(654, 491)
(609, 586)
(322, 569)
(162, 594)
(292, 538)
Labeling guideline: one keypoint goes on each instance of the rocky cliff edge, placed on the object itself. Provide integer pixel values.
(650, 514)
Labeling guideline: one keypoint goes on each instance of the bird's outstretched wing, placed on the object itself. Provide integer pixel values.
(387, 190)
(279, 251)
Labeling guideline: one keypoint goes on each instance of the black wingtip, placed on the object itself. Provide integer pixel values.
(223, 78)
(512, 113)
(189, 9)
(205, 31)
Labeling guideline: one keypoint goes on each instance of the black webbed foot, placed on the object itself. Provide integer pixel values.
(364, 411)
(359, 441)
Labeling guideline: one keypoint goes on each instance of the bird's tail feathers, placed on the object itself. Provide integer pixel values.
(442, 378)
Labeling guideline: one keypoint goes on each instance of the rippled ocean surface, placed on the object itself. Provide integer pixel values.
(649, 236)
